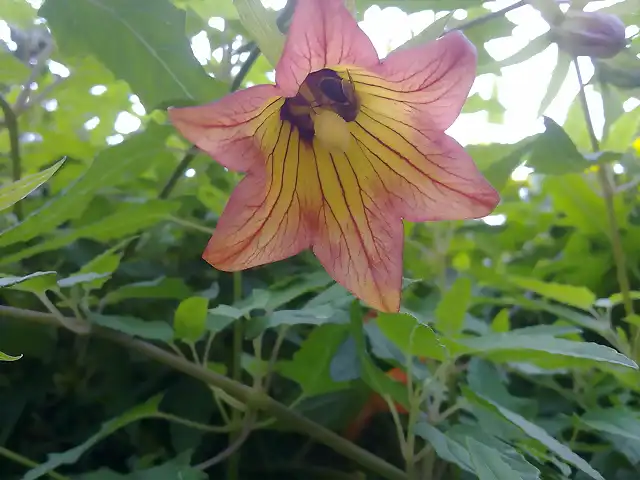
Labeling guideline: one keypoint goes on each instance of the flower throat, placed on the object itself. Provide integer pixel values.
(324, 98)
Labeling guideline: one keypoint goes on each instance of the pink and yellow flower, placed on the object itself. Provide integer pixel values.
(340, 150)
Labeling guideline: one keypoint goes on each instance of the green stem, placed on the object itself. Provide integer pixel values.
(490, 16)
(233, 470)
(11, 122)
(608, 193)
(248, 395)
(26, 462)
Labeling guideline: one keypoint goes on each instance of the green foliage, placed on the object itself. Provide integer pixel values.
(518, 335)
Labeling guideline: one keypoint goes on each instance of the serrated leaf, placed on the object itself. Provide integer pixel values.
(189, 321)
(16, 191)
(150, 52)
(136, 327)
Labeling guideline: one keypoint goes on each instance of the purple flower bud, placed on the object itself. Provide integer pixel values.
(590, 34)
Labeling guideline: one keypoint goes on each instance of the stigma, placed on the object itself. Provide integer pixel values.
(332, 131)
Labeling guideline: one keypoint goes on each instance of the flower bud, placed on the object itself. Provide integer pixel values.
(590, 34)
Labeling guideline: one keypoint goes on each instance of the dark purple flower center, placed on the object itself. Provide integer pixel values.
(322, 89)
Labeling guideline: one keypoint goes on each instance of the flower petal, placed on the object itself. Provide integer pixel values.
(323, 33)
(433, 79)
(267, 216)
(226, 129)
(425, 174)
(359, 241)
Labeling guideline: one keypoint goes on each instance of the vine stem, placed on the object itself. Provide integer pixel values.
(608, 192)
(248, 395)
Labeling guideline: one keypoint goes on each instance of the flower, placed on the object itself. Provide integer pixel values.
(592, 34)
(340, 150)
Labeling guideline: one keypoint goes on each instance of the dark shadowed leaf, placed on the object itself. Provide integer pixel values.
(54, 460)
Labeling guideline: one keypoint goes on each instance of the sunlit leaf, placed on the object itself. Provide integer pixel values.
(16, 191)
(189, 321)
(150, 52)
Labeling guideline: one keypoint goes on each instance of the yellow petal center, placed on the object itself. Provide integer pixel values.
(332, 131)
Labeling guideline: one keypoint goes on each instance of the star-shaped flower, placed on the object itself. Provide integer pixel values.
(340, 150)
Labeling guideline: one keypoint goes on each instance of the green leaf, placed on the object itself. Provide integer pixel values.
(163, 287)
(135, 327)
(553, 152)
(12, 70)
(306, 316)
(82, 278)
(519, 343)
(37, 282)
(532, 48)
(411, 336)
(210, 8)
(310, 364)
(616, 421)
(375, 378)
(446, 448)
(127, 220)
(189, 321)
(8, 358)
(112, 166)
(558, 77)
(221, 317)
(103, 265)
(580, 297)
(16, 191)
(54, 460)
(149, 51)
(17, 12)
(261, 22)
(451, 311)
(498, 161)
(429, 34)
(488, 463)
(535, 432)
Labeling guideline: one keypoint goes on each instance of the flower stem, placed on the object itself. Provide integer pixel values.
(608, 193)
(235, 437)
(244, 393)
(27, 462)
(11, 122)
